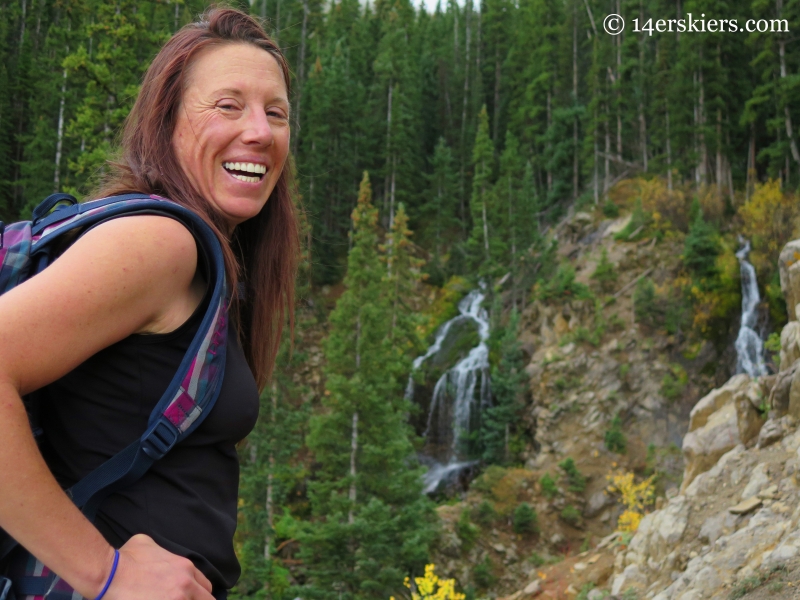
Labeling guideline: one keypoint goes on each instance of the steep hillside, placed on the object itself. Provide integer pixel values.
(610, 393)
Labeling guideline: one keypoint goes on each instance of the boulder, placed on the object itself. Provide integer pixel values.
(703, 447)
(779, 396)
(789, 269)
(714, 400)
(790, 344)
(597, 502)
(748, 419)
(794, 396)
(772, 431)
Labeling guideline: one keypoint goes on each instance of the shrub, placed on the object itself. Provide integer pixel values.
(610, 210)
(614, 438)
(773, 346)
(466, 530)
(701, 249)
(485, 513)
(634, 496)
(571, 515)
(645, 303)
(483, 575)
(674, 382)
(605, 274)
(562, 286)
(639, 220)
(525, 519)
(575, 479)
(549, 487)
(431, 587)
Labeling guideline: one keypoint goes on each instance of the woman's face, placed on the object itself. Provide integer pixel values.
(231, 135)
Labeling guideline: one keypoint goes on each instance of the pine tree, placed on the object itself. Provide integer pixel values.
(481, 202)
(371, 521)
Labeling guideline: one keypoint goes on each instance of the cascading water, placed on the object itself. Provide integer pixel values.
(458, 396)
(749, 346)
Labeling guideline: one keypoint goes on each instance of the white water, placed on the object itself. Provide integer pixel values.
(454, 392)
(749, 346)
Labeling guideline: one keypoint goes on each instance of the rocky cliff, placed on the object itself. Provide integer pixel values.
(725, 519)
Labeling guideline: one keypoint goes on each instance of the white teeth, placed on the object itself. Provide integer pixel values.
(246, 179)
(246, 167)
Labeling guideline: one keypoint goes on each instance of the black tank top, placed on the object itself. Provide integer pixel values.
(187, 501)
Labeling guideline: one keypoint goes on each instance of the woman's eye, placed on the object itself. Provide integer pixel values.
(276, 113)
(226, 106)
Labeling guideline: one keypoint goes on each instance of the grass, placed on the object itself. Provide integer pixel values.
(748, 584)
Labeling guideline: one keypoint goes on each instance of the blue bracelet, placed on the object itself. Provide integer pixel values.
(110, 575)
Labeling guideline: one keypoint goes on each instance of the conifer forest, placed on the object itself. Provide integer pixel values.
(438, 152)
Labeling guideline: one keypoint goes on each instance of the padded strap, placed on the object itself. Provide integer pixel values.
(195, 386)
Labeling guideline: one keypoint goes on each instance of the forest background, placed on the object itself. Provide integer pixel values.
(477, 127)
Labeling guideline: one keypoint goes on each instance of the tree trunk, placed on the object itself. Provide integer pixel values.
(386, 179)
(301, 74)
(353, 450)
(269, 504)
(786, 113)
(464, 153)
(751, 164)
(702, 168)
(575, 163)
(549, 145)
(60, 131)
(618, 81)
(642, 117)
(669, 148)
(496, 95)
(607, 165)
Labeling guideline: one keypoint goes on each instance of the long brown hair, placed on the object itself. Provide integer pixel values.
(264, 251)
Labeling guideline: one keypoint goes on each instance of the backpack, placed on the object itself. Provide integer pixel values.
(28, 247)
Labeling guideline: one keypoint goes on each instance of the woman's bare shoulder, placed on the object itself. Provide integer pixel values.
(127, 275)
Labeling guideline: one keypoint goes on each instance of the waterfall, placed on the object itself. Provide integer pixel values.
(749, 346)
(454, 406)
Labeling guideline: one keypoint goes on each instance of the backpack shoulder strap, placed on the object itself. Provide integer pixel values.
(196, 385)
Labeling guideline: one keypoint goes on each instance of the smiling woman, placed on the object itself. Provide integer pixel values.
(232, 131)
(209, 131)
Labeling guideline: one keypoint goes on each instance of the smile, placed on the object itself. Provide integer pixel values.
(247, 172)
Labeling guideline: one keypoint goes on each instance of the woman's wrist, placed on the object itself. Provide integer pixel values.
(110, 577)
(100, 571)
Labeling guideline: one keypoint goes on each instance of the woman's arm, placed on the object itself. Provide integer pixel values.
(129, 275)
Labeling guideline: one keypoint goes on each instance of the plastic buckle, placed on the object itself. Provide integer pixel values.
(160, 439)
(2, 233)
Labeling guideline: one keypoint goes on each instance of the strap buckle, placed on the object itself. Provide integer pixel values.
(159, 439)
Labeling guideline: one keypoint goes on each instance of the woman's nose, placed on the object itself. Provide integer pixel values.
(257, 129)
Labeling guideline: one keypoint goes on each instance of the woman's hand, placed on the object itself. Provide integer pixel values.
(148, 572)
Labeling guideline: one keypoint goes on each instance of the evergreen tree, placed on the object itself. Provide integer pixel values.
(371, 522)
(498, 433)
(481, 204)
(701, 249)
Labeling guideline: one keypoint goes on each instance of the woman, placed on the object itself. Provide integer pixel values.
(209, 130)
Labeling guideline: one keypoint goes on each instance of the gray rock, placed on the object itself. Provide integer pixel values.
(716, 526)
(703, 447)
(794, 396)
(597, 502)
(771, 432)
(748, 419)
(715, 400)
(790, 344)
(779, 396)
(789, 269)
(759, 479)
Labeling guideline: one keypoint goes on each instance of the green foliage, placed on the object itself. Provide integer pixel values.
(466, 530)
(525, 519)
(576, 481)
(549, 488)
(640, 219)
(645, 303)
(614, 438)
(483, 574)
(499, 421)
(570, 515)
(674, 382)
(605, 274)
(610, 210)
(584, 593)
(485, 513)
(562, 286)
(773, 346)
(371, 522)
(701, 249)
